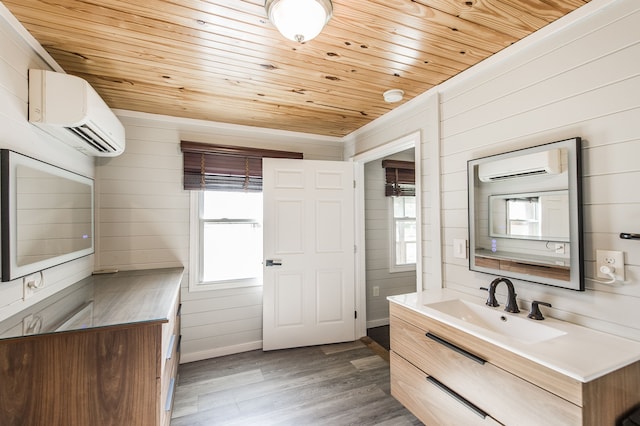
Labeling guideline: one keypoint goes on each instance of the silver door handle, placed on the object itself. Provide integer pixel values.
(273, 262)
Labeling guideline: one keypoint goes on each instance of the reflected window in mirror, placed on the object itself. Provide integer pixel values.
(535, 216)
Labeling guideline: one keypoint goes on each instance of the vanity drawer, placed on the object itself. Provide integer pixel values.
(429, 402)
(510, 399)
(170, 332)
(556, 383)
(168, 388)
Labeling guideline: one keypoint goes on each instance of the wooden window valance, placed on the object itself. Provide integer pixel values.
(226, 168)
(400, 178)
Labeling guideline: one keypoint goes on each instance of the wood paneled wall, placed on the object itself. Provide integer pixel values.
(578, 77)
(377, 240)
(144, 221)
(17, 134)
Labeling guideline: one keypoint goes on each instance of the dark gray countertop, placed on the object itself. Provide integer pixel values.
(100, 301)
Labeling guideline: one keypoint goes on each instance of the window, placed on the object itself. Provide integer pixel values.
(226, 238)
(226, 213)
(403, 228)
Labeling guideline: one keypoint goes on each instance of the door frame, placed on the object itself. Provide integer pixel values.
(412, 140)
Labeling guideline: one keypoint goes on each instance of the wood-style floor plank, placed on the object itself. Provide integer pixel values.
(342, 384)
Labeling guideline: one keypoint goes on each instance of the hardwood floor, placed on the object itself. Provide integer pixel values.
(342, 384)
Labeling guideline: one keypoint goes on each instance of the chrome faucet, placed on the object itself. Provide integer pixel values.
(512, 304)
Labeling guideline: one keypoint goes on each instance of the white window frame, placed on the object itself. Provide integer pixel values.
(393, 268)
(196, 227)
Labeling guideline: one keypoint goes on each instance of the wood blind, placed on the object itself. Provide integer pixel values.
(400, 178)
(226, 168)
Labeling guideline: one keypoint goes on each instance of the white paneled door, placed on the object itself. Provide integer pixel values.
(309, 285)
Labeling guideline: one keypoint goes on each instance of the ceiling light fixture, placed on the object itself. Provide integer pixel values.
(299, 20)
(393, 95)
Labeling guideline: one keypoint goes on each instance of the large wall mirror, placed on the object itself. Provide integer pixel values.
(46, 215)
(525, 214)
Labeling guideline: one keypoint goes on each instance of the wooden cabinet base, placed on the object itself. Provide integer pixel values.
(500, 384)
(113, 375)
(81, 378)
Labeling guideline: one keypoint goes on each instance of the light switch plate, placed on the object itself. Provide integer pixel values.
(460, 248)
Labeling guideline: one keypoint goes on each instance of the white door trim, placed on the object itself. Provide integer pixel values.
(412, 140)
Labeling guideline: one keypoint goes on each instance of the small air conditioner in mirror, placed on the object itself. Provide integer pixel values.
(539, 163)
(69, 109)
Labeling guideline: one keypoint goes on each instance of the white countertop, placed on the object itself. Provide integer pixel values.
(581, 353)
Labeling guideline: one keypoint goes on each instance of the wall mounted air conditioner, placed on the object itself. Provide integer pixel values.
(539, 163)
(69, 109)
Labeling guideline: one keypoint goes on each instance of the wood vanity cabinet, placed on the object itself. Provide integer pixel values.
(446, 376)
(120, 369)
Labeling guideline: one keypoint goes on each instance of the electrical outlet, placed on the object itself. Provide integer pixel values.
(612, 259)
(376, 291)
(30, 283)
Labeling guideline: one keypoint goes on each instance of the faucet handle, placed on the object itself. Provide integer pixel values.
(535, 310)
(491, 301)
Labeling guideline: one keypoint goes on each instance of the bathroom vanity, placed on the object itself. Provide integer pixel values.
(103, 351)
(456, 361)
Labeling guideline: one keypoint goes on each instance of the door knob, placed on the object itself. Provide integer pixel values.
(273, 262)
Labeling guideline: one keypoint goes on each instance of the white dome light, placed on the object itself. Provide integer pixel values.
(299, 20)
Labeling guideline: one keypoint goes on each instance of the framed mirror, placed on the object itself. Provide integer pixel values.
(525, 215)
(46, 215)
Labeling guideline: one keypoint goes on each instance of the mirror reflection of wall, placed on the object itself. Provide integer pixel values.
(47, 215)
(53, 215)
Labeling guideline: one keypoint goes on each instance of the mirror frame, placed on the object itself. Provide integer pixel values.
(576, 243)
(10, 161)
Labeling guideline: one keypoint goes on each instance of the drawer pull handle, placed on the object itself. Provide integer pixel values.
(456, 348)
(456, 396)
(179, 311)
(172, 341)
(168, 403)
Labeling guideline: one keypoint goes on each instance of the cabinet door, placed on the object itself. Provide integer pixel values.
(105, 376)
(429, 401)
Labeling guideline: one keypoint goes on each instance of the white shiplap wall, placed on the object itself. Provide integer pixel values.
(377, 240)
(17, 55)
(144, 221)
(578, 77)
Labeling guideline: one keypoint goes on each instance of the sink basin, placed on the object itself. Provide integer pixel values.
(496, 320)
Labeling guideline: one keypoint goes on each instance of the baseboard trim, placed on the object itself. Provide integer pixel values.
(217, 352)
(378, 322)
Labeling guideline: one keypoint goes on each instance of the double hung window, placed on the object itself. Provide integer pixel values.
(229, 239)
(403, 228)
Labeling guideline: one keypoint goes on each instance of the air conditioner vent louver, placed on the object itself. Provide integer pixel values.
(67, 108)
(90, 137)
(515, 175)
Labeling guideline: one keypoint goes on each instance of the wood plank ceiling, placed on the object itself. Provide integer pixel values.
(222, 60)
